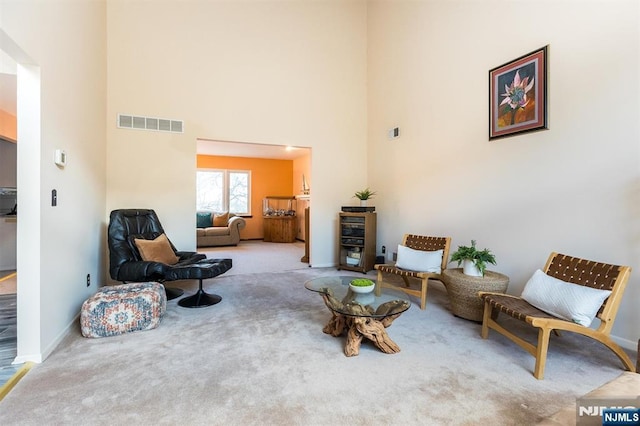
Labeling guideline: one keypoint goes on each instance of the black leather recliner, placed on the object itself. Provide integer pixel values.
(126, 265)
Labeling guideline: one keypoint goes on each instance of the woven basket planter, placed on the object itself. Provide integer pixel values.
(463, 291)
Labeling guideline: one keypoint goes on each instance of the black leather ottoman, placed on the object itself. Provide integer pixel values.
(201, 270)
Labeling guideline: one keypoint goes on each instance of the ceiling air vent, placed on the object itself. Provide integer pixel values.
(150, 123)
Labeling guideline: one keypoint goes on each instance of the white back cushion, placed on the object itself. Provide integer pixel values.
(419, 260)
(572, 302)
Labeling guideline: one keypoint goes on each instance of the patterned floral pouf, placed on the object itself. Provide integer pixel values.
(123, 308)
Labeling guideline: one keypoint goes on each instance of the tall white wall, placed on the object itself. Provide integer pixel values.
(60, 48)
(275, 72)
(574, 188)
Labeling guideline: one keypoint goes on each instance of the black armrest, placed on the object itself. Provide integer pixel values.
(142, 271)
(191, 256)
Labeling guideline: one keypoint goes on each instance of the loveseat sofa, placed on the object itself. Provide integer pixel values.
(218, 229)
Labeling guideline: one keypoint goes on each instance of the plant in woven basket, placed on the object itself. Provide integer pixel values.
(480, 258)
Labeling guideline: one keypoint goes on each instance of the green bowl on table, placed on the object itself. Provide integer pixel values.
(362, 285)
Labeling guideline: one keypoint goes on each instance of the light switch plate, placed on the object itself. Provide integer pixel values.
(60, 157)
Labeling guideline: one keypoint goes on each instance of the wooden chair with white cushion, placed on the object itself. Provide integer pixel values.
(420, 258)
(568, 295)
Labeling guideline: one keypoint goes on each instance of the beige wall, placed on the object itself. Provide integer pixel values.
(275, 72)
(60, 50)
(574, 188)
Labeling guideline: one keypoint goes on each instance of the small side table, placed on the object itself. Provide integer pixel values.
(463, 291)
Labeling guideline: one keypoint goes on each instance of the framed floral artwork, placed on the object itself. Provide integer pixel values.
(518, 95)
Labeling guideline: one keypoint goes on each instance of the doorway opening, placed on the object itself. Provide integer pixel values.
(276, 170)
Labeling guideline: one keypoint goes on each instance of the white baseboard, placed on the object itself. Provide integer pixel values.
(323, 265)
(39, 357)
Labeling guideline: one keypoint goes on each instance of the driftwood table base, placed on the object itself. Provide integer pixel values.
(365, 326)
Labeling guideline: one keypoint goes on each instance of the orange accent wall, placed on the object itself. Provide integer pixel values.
(8, 126)
(268, 178)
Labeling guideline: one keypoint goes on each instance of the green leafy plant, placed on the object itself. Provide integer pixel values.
(364, 194)
(480, 258)
(361, 282)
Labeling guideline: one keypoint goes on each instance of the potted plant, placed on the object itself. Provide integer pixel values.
(474, 261)
(364, 195)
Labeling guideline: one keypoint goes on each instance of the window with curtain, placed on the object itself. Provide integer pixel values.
(222, 190)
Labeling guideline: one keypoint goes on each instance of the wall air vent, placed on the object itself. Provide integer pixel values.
(164, 125)
(150, 123)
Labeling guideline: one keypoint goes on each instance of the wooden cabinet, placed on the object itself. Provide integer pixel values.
(279, 229)
(357, 241)
(279, 219)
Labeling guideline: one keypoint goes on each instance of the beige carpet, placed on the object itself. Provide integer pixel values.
(256, 256)
(260, 358)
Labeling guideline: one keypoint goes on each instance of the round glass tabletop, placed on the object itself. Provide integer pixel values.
(340, 298)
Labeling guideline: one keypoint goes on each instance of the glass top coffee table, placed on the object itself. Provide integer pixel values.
(360, 315)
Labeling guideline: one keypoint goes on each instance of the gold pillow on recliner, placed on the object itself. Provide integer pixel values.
(157, 250)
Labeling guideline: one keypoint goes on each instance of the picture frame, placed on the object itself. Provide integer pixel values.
(518, 95)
